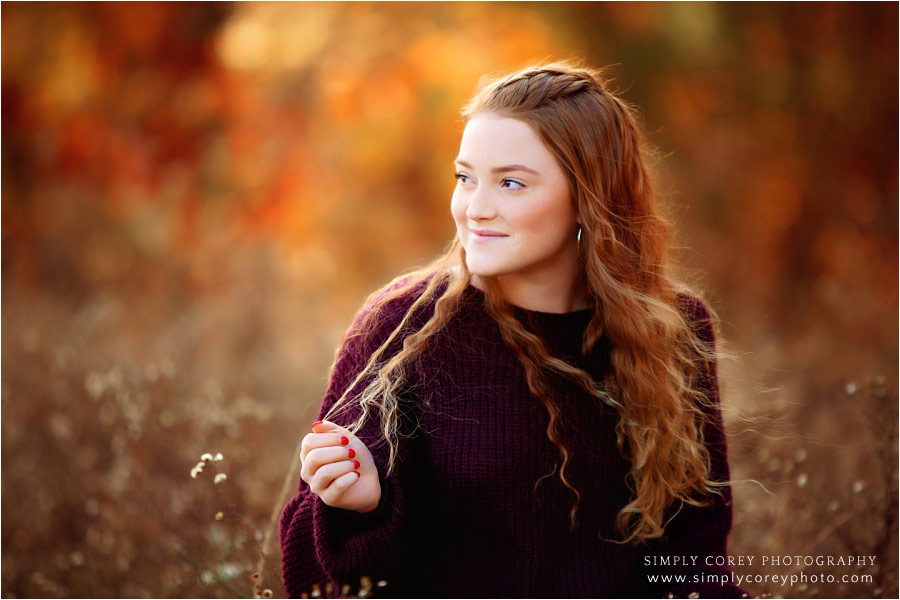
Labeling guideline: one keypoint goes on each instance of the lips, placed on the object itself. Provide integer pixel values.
(487, 234)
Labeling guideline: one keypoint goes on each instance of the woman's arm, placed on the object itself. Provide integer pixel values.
(696, 537)
(322, 544)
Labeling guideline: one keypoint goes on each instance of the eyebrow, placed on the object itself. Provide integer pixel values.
(503, 169)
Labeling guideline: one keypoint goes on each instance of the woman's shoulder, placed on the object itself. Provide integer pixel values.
(696, 311)
(385, 308)
(693, 306)
(690, 302)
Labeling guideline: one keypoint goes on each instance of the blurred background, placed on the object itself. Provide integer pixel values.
(196, 198)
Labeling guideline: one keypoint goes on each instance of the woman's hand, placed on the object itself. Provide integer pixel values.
(339, 468)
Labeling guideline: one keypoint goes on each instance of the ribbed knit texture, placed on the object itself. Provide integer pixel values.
(460, 516)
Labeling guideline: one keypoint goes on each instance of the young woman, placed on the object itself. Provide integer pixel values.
(536, 413)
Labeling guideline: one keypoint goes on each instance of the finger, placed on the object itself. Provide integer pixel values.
(321, 440)
(317, 457)
(329, 427)
(327, 474)
(339, 487)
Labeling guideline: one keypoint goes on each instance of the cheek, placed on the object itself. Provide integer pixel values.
(457, 208)
(550, 219)
(540, 218)
(533, 218)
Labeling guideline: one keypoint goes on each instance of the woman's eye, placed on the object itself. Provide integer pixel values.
(512, 184)
(461, 177)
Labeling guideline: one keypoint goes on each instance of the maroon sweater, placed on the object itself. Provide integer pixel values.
(460, 516)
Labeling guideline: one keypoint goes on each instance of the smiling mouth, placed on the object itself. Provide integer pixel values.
(487, 234)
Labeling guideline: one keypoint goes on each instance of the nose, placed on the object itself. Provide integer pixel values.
(481, 206)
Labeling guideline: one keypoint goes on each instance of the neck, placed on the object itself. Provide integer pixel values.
(551, 295)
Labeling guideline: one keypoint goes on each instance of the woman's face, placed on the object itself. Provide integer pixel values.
(512, 205)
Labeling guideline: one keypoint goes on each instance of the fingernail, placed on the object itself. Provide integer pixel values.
(344, 440)
(317, 423)
(355, 464)
(357, 473)
(351, 452)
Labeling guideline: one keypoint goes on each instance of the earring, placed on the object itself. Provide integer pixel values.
(578, 237)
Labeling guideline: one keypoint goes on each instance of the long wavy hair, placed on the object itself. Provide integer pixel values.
(656, 354)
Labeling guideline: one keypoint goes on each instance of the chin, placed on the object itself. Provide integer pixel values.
(483, 269)
(492, 262)
(480, 267)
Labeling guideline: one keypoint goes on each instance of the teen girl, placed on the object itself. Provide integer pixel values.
(535, 414)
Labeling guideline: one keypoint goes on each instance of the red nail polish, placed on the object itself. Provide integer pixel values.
(357, 473)
(351, 452)
(317, 423)
(355, 464)
(344, 440)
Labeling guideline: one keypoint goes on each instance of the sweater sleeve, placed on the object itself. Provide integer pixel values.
(321, 544)
(692, 558)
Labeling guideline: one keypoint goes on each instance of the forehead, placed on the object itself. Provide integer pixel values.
(494, 140)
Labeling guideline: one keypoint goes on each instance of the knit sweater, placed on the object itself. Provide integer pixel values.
(466, 513)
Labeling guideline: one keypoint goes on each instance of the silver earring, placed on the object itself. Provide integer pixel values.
(578, 237)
